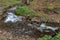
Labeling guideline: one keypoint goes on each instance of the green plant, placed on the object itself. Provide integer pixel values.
(1, 39)
(45, 38)
(24, 10)
(57, 37)
(50, 7)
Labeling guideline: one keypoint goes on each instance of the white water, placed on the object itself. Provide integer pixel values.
(11, 17)
(44, 26)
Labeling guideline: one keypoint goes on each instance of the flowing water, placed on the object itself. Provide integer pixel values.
(19, 27)
(11, 17)
(44, 26)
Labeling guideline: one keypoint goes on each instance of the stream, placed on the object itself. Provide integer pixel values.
(18, 25)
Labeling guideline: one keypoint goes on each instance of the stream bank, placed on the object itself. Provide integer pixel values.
(19, 26)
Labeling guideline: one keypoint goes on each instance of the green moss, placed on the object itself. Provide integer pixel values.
(1, 39)
(46, 0)
(45, 38)
(57, 37)
(24, 10)
(50, 7)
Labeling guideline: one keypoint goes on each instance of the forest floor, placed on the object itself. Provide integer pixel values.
(39, 6)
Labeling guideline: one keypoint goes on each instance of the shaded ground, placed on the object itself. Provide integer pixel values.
(4, 35)
(15, 31)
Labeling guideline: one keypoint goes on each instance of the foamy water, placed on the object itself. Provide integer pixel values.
(44, 26)
(11, 17)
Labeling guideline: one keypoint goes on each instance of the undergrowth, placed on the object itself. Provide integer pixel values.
(24, 10)
(57, 37)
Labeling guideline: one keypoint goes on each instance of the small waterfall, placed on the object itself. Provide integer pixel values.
(44, 26)
(11, 17)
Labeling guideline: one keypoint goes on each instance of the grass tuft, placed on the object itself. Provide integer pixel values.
(24, 10)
